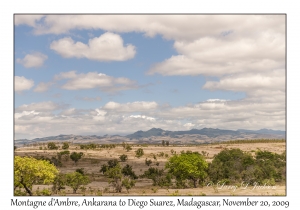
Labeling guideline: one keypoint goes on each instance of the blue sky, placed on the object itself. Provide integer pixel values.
(116, 74)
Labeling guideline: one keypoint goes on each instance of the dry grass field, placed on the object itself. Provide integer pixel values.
(93, 159)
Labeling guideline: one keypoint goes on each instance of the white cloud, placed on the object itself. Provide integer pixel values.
(43, 87)
(33, 60)
(143, 117)
(124, 118)
(66, 75)
(25, 113)
(263, 84)
(137, 106)
(41, 106)
(177, 27)
(107, 47)
(245, 53)
(21, 84)
(68, 112)
(89, 98)
(95, 80)
(30, 20)
(218, 56)
(216, 100)
(230, 114)
(189, 125)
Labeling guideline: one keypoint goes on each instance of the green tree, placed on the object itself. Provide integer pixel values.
(76, 156)
(167, 143)
(103, 168)
(117, 179)
(157, 176)
(65, 145)
(75, 180)
(271, 166)
(139, 153)
(127, 171)
(52, 146)
(65, 154)
(188, 166)
(233, 165)
(128, 183)
(29, 171)
(123, 157)
(110, 164)
(56, 162)
(163, 142)
(59, 183)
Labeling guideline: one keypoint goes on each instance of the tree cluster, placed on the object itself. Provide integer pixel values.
(234, 165)
(119, 177)
(88, 146)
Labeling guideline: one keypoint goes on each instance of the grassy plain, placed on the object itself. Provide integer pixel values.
(94, 159)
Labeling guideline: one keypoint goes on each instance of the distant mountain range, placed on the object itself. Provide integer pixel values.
(155, 135)
(209, 132)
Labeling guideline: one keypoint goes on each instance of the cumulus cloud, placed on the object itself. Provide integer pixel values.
(247, 82)
(218, 56)
(143, 117)
(43, 87)
(258, 86)
(30, 20)
(33, 60)
(124, 118)
(41, 107)
(95, 80)
(21, 83)
(66, 75)
(137, 106)
(229, 114)
(107, 47)
(177, 27)
(244, 53)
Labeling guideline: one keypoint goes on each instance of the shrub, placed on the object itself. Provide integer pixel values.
(157, 177)
(128, 183)
(75, 180)
(59, 183)
(76, 156)
(123, 157)
(52, 146)
(65, 145)
(80, 170)
(139, 153)
(127, 171)
(128, 147)
(110, 164)
(65, 154)
(148, 162)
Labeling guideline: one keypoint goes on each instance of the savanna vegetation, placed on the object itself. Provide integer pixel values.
(147, 169)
